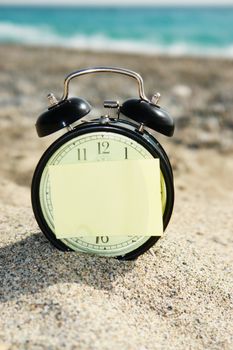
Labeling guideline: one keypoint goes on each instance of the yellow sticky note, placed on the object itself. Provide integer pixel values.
(108, 198)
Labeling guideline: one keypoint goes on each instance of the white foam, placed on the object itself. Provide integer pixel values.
(44, 35)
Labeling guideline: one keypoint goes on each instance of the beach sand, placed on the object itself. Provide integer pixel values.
(179, 297)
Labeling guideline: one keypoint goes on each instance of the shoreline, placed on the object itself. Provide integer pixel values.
(124, 52)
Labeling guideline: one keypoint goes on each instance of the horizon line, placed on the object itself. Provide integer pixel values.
(194, 4)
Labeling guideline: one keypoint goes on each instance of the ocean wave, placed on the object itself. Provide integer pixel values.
(44, 35)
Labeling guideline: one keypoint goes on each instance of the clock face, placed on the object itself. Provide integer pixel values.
(92, 147)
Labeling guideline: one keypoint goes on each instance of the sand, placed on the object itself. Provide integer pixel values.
(177, 297)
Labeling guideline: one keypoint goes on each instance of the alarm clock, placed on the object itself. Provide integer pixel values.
(121, 132)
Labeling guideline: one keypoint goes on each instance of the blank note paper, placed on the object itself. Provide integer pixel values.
(108, 198)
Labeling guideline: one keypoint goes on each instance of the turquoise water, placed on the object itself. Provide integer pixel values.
(171, 30)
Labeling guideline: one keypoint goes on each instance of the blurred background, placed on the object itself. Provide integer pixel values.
(184, 30)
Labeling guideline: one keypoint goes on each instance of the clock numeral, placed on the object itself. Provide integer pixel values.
(126, 153)
(101, 239)
(103, 147)
(82, 154)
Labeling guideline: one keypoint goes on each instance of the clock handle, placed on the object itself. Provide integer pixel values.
(123, 71)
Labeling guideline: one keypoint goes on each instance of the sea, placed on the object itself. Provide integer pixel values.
(191, 30)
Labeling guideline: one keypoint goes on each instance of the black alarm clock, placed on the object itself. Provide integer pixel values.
(120, 133)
